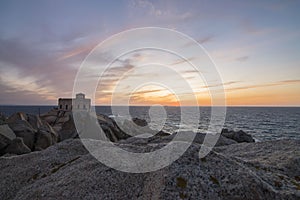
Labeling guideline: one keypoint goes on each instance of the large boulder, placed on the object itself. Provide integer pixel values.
(111, 128)
(7, 132)
(17, 116)
(140, 122)
(6, 136)
(56, 118)
(198, 139)
(36, 133)
(4, 142)
(17, 146)
(24, 130)
(67, 171)
(45, 137)
(68, 130)
(2, 119)
(238, 136)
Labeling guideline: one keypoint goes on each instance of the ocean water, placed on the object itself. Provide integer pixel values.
(263, 123)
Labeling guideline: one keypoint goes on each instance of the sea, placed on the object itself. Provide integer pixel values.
(263, 123)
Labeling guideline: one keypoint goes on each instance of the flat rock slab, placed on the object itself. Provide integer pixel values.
(67, 171)
(7, 132)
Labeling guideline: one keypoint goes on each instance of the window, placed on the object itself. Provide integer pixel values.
(66, 107)
(60, 106)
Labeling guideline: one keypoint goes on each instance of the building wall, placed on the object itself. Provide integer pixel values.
(82, 104)
(65, 104)
(79, 103)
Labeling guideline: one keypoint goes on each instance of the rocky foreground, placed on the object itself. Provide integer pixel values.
(55, 165)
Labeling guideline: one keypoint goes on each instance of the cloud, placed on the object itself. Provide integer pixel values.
(223, 84)
(142, 92)
(182, 60)
(278, 83)
(205, 39)
(111, 77)
(152, 12)
(168, 99)
(248, 27)
(75, 52)
(201, 41)
(242, 58)
(27, 68)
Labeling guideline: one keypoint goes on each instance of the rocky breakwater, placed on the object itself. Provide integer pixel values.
(22, 133)
(63, 123)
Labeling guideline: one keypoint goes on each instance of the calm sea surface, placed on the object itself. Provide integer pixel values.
(263, 123)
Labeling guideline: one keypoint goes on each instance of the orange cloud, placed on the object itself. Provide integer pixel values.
(76, 51)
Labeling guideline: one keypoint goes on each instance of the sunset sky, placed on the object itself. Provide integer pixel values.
(254, 44)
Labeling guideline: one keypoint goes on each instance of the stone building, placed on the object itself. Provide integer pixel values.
(79, 103)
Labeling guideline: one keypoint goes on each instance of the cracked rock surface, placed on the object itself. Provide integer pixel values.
(66, 170)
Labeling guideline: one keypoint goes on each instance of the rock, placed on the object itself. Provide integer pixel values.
(281, 156)
(34, 121)
(68, 130)
(108, 125)
(17, 146)
(24, 130)
(17, 116)
(239, 136)
(140, 122)
(45, 138)
(199, 138)
(111, 129)
(67, 171)
(36, 133)
(160, 137)
(6, 135)
(4, 142)
(7, 132)
(56, 118)
(224, 130)
(136, 127)
(50, 130)
(2, 119)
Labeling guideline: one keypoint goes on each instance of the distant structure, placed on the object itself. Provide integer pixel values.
(79, 103)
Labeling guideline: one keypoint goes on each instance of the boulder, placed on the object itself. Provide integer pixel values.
(136, 127)
(2, 119)
(17, 146)
(68, 130)
(49, 129)
(35, 121)
(67, 171)
(4, 142)
(6, 136)
(111, 128)
(45, 137)
(199, 138)
(24, 130)
(239, 136)
(7, 132)
(37, 134)
(56, 118)
(140, 122)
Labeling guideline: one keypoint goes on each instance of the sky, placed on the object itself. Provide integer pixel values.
(254, 46)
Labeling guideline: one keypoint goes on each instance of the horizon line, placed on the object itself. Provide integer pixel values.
(106, 105)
